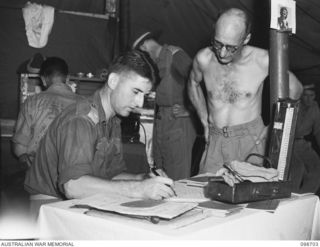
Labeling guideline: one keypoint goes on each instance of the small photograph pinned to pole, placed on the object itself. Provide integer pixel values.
(283, 15)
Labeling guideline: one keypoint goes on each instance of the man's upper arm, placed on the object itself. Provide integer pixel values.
(181, 63)
(23, 133)
(196, 73)
(75, 150)
(295, 87)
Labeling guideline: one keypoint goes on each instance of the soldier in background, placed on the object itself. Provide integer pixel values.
(305, 166)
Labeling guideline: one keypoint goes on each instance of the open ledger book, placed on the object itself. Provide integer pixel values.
(136, 207)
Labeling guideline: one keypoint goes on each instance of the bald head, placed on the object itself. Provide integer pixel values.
(234, 22)
(232, 33)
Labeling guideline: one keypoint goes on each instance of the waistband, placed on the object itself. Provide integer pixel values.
(235, 130)
(165, 112)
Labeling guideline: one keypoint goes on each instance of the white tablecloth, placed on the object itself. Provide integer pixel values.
(297, 218)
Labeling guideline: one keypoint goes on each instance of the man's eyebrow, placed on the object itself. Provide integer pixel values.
(138, 89)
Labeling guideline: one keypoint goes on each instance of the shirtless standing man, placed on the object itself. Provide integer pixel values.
(233, 73)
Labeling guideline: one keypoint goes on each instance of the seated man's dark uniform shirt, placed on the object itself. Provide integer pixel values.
(80, 141)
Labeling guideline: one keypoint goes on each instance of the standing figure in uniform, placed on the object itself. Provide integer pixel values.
(38, 111)
(305, 165)
(233, 73)
(174, 130)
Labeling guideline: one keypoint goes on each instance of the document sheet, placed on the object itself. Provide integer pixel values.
(131, 206)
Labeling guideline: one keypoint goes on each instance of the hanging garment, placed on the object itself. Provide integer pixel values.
(38, 21)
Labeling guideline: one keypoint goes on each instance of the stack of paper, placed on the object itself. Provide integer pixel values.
(188, 218)
(220, 209)
(196, 181)
(130, 206)
(186, 193)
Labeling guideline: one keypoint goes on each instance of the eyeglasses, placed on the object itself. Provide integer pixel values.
(217, 45)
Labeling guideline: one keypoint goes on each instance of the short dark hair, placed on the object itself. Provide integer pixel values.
(134, 61)
(54, 66)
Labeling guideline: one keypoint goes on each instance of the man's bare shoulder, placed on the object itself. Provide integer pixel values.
(259, 56)
(204, 56)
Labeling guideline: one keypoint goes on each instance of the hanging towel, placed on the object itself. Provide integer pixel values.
(38, 21)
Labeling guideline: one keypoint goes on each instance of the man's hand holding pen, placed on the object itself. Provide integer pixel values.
(157, 185)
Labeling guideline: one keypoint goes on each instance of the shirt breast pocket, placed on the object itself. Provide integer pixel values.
(107, 157)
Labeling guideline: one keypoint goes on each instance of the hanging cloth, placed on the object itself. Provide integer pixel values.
(38, 21)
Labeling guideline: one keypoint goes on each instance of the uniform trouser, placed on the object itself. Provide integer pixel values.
(173, 140)
(305, 167)
(232, 143)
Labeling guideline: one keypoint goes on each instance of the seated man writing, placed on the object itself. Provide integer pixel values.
(81, 153)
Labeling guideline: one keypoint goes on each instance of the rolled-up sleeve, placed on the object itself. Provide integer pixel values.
(76, 144)
(181, 64)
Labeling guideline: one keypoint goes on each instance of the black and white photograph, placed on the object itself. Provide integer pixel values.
(157, 122)
(283, 17)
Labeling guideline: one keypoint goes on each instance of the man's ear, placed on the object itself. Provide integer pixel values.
(246, 41)
(113, 80)
(43, 79)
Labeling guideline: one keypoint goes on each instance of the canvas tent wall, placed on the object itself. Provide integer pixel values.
(85, 42)
(188, 23)
(89, 43)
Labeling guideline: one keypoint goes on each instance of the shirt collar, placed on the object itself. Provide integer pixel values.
(59, 88)
(162, 54)
(98, 105)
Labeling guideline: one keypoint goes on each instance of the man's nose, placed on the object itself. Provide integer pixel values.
(223, 52)
(139, 100)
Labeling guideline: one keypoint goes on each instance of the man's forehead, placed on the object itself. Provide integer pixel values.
(133, 79)
(230, 25)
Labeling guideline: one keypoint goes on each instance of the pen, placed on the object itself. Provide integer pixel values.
(154, 171)
(233, 172)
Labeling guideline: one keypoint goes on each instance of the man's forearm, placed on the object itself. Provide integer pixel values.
(129, 176)
(88, 185)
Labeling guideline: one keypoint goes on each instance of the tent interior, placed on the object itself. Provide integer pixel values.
(88, 34)
(89, 43)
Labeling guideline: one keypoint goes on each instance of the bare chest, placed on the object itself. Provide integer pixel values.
(233, 84)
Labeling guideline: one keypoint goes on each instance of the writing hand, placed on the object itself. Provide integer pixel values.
(157, 188)
(161, 173)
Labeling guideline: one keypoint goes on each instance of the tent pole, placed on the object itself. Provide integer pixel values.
(278, 66)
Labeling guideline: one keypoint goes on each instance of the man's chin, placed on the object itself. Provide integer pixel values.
(125, 113)
(224, 61)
